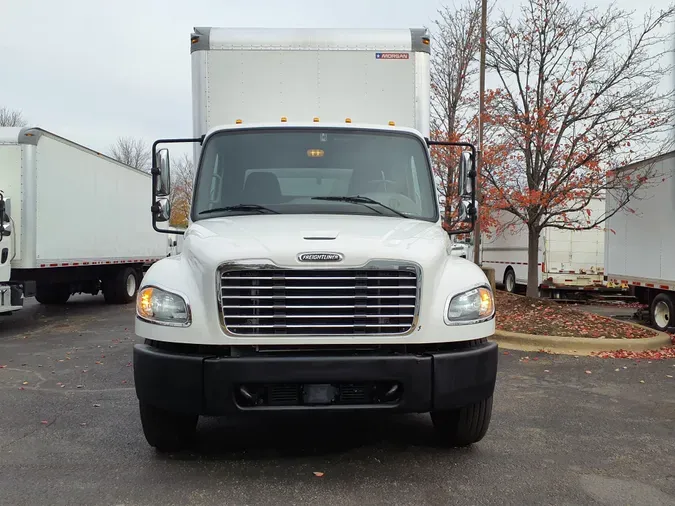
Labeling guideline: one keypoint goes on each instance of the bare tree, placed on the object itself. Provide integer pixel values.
(131, 151)
(580, 94)
(182, 175)
(453, 70)
(11, 118)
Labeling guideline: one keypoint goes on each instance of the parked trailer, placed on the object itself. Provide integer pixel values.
(640, 240)
(569, 261)
(73, 221)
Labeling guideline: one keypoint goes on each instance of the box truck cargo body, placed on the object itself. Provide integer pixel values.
(261, 75)
(640, 239)
(315, 274)
(73, 221)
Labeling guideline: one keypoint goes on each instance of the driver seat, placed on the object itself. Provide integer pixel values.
(261, 188)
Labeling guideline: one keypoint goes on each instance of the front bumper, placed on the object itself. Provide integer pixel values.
(207, 384)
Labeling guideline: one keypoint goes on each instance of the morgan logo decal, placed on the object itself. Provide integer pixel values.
(320, 257)
(392, 56)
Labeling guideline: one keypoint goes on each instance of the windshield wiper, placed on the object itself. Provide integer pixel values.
(241, 207)
(358, 199)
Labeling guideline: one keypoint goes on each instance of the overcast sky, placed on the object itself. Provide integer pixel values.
(92, 70)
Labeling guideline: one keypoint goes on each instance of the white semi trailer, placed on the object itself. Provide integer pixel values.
(569, 261)
(315, 274)
(640, 239)
(71, 222)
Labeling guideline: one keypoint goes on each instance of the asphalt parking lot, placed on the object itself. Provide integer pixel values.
(565, 431)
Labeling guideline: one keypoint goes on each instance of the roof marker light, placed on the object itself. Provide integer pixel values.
(284, 119)
(392, 123)
(238, 122)
(316, 120)
(348, 120)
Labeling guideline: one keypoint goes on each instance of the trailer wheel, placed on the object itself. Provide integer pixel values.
(510, 280)
(662, 312)
(166, 431)
(122, 287)
(52, 293)
(463, 426)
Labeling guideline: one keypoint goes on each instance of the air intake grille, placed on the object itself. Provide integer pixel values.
(296, 302)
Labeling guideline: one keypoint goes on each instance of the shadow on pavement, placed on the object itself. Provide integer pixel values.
(299, 436)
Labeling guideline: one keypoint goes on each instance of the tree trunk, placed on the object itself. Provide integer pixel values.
(533, 262)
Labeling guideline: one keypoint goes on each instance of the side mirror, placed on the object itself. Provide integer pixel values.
(5, 226)
(464, 178)
(162, 210)
(163, 187)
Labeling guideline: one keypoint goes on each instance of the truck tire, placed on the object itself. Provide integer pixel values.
(510, 280)
(166, 431)
(662, 312)
(463, 426)
(52, 293)
(122, 287)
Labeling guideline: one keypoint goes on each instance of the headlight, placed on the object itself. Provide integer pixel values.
(160, 306)
(477, 304)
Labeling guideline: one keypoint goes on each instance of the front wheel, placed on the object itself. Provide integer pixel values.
(167, 431)
(463, 426)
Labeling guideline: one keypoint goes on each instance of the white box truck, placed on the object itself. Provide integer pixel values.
(570, 261)
(640, 239)
(315, 274)
(71, 222)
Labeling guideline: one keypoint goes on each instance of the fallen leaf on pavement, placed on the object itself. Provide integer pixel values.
(664, 353)
(318, 473)
(588, 372)
(97, 405)
(44, 422)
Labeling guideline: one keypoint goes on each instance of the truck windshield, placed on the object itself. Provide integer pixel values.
(292, 171)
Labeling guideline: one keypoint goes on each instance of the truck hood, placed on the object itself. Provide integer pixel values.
(282, 237)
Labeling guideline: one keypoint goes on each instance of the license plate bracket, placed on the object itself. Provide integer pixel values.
(318, 393)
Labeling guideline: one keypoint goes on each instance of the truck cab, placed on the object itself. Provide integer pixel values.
(315, 275)
(11, 298)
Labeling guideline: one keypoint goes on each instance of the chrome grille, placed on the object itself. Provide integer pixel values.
(295, 302)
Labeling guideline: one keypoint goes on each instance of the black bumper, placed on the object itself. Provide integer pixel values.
(212, 385)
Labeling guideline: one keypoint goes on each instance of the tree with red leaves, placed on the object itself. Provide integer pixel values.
(453, 105)
(581, 93)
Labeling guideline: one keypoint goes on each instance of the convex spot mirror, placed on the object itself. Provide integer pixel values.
(162, 210)
(467, 211)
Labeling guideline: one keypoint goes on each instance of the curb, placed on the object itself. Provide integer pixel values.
(577, 345)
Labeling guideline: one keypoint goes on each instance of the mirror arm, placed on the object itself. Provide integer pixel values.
(472, 174)
(154, 171)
